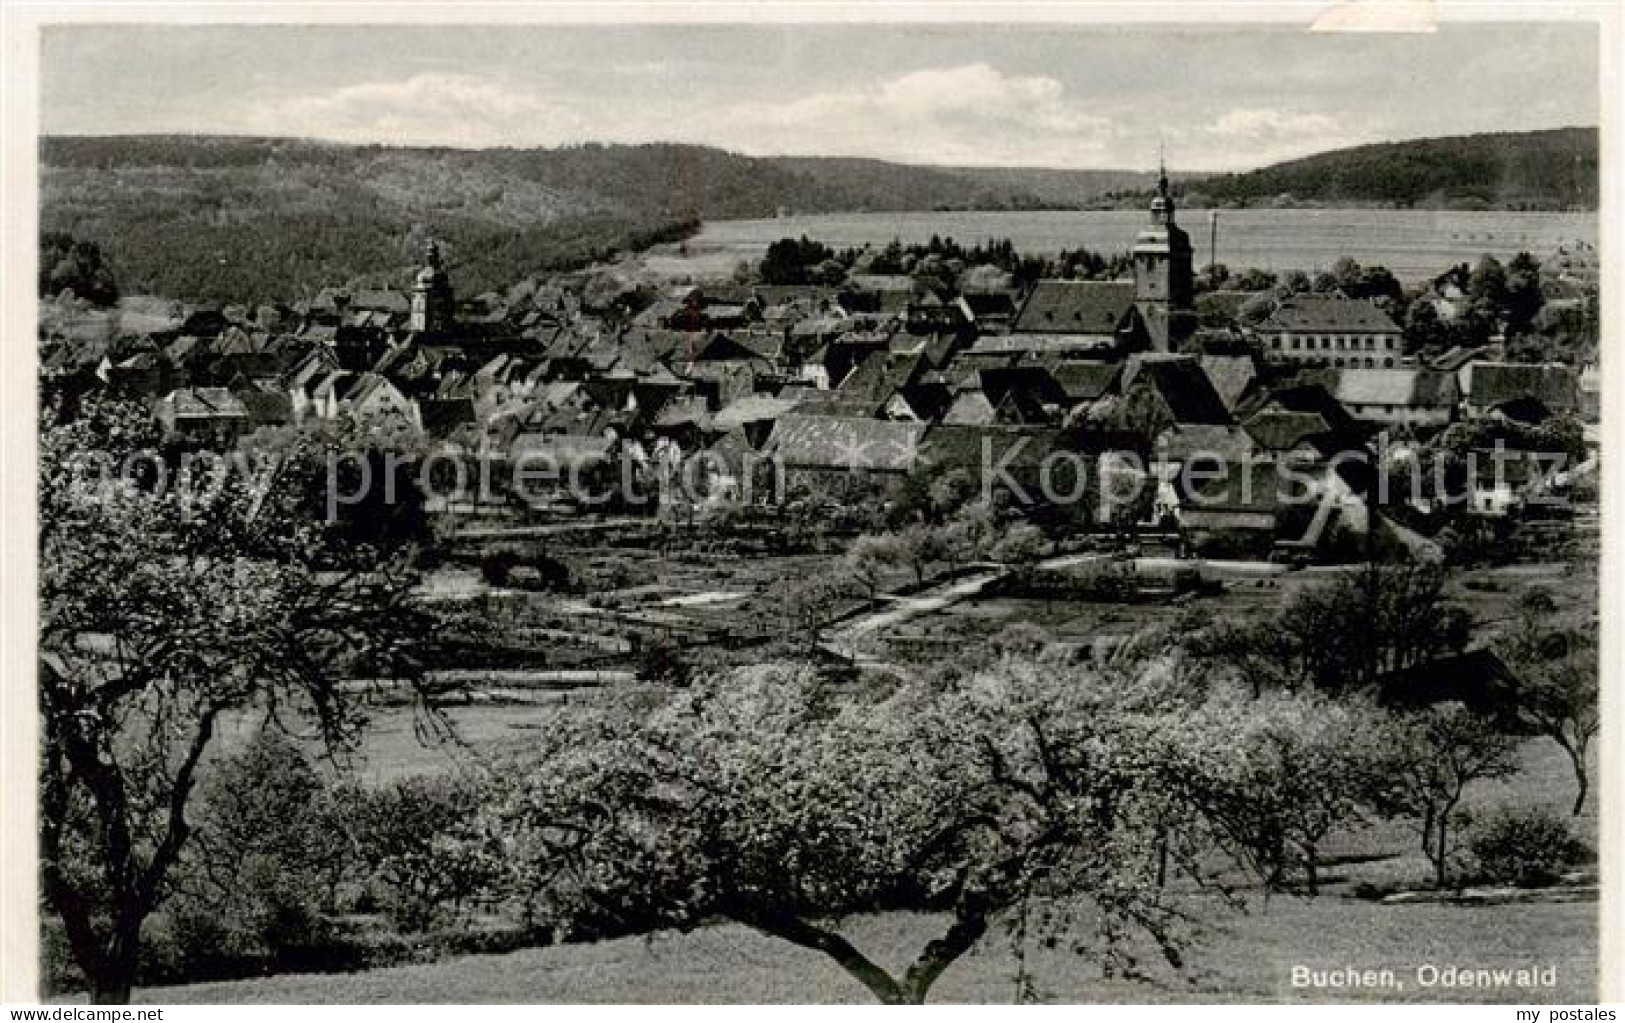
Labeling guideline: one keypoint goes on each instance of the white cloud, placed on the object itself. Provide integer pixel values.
(973, 114)
(1254, 136)
(1273, 124)
(430, 108)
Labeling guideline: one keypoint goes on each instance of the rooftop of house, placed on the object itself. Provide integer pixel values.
(1075, 307)
(1183, 386)
(843, 442)
(1245, 486)
(1083, 345)
(1230, 375)
(752, 408)
(1085, 381)
(1409, 387)
(1328, 314)
(1489, 384)
(205, 403)
(880, 375)
(1281, 430)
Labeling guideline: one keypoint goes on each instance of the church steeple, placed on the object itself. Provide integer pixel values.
(1163, 291)
(432, 300)
(1162, 204)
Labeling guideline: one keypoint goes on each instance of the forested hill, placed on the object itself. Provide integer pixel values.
(1541, 170)
(242, 219)
(247, 219)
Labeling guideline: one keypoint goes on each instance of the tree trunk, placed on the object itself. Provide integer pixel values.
(799, 932)
(112, 982)
(1441, 865)
(1582, 781)
(111, 992)
(1311, 869)
(968, 927)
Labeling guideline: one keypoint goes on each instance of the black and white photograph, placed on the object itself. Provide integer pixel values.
(726, 509)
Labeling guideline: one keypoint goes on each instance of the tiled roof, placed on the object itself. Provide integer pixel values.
(1086, 381)
(970, 408)
(206, 402)
(1328, 314)
(1241, 486)
(754, 408)
(560, 450)
(384, 299)
(837, 442)
(1230, 375)
(964, 446)
(1083, 345)
(267, 408)
(880, 375)
(1183, 386)
(1413, 388)
(1496, 383)
(1283, 431)
(1075, 307)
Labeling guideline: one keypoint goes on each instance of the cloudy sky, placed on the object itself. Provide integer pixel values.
(1059, 96)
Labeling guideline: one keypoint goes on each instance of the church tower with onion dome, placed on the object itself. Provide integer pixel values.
(432, 300)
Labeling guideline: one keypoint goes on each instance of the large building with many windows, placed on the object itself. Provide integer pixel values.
(1330, 330)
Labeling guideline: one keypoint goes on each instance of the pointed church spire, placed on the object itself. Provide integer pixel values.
(1162, 205)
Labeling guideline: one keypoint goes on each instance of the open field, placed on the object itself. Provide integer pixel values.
(1246, 957)
(1414, 244)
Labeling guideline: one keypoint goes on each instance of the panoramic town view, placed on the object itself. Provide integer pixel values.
(987, 531)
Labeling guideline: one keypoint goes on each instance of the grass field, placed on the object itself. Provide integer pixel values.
(1245, 957)
(1414, 244)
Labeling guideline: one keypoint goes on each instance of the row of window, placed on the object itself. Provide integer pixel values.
(1351, 362)
(1340, 342)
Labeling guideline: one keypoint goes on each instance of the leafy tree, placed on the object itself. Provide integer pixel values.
(426, 841)
(1555, 672)
(1255, 280)
(1431, 758)
(1258, 655)
(755, 799)
(920, 546)
(1488, 282)
(168, 610)
(663, 662)
(1298, 767)
(1523, 846)
(1213, 277)
(1364, 625)
(1523, 296)
(1021, 547)
(68, 264)
(798, 261)
(805, 604)
(1424, 331)
(266, 861)
(867, 560)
